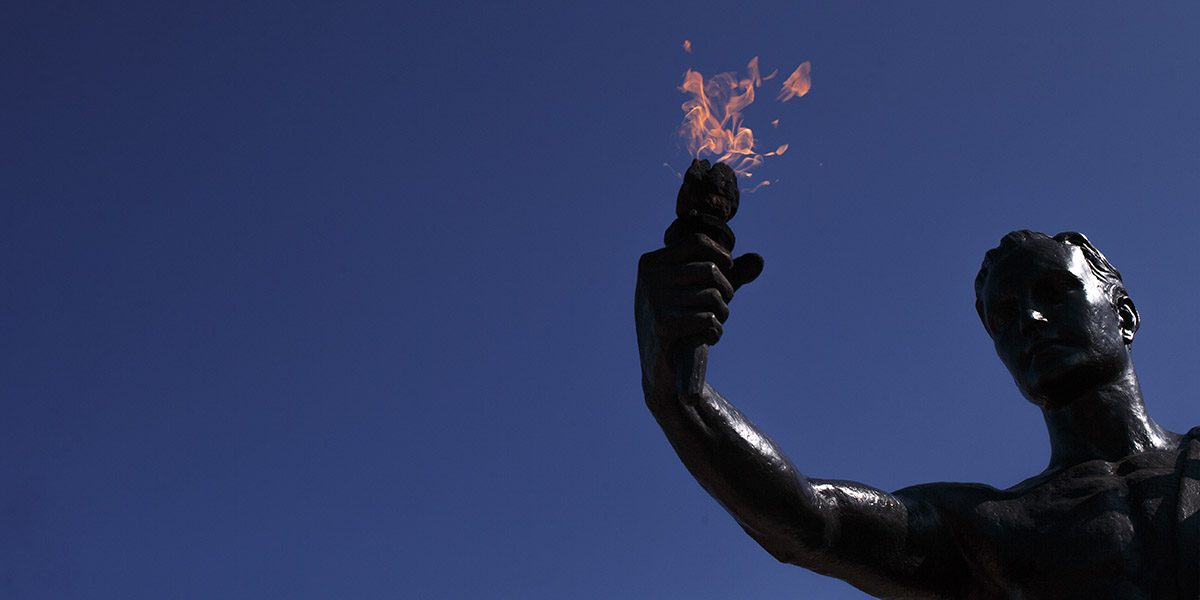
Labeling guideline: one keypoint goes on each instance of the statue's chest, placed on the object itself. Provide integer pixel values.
(1102, 526)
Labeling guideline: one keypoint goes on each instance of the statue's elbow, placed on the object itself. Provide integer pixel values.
(790, 547)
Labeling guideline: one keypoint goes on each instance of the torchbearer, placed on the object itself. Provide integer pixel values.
(1116, 514)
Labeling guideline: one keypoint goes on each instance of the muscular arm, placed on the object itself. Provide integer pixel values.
(890, 545)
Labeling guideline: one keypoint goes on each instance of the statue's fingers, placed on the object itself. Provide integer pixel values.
(697, 300)
(704, 274)
(696, 247)
(703, 327)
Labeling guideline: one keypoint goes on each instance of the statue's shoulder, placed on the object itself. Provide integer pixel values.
(1189, 446)
(1189, 450)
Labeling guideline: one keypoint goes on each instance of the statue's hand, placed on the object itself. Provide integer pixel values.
(687, 287)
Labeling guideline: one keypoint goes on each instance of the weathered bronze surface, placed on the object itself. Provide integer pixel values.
(1116, 514)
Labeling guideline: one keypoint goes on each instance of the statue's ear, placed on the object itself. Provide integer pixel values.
(1129, 319)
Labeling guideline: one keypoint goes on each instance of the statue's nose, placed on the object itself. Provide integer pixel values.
(1032, 318)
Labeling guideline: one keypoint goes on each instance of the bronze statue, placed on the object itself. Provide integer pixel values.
(1114, 515)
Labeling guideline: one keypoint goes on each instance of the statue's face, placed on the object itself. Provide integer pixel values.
(1053, 323)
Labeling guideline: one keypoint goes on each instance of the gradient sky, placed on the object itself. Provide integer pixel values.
(334, 300)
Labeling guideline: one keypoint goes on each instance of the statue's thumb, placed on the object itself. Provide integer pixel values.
(746, 268)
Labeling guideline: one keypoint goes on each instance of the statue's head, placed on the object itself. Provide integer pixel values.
(1058, 314)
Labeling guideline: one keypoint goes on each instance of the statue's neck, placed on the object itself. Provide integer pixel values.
(1108, 423)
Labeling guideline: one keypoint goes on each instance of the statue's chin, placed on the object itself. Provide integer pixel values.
(1064, 383)
(1058, 389)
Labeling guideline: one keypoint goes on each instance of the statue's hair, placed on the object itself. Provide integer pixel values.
(1108, 275)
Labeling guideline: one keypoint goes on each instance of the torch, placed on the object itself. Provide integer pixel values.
(709, 196)
(708, 199)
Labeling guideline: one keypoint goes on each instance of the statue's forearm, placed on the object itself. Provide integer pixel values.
(739, 465)
(744, 471)
(841, 528)
(883, 543)
(851, 531)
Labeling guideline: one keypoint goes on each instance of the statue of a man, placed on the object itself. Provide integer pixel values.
(1114, 515)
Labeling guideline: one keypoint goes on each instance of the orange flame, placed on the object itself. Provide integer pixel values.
(712, 121)
(798, 83)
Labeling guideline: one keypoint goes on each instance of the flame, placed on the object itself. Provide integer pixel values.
(687, 46)
(713, 124)
(798, 83)
(712, 121)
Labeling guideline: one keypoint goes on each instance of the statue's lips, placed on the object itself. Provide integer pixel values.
(1041, 350)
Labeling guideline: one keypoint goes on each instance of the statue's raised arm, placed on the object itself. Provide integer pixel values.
(892, 545)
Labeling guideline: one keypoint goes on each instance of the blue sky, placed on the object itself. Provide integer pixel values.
(334, 299)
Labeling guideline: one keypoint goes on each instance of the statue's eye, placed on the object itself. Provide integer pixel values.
(1056, 287)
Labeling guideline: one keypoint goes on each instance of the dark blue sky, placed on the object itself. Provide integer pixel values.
(333, 300)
